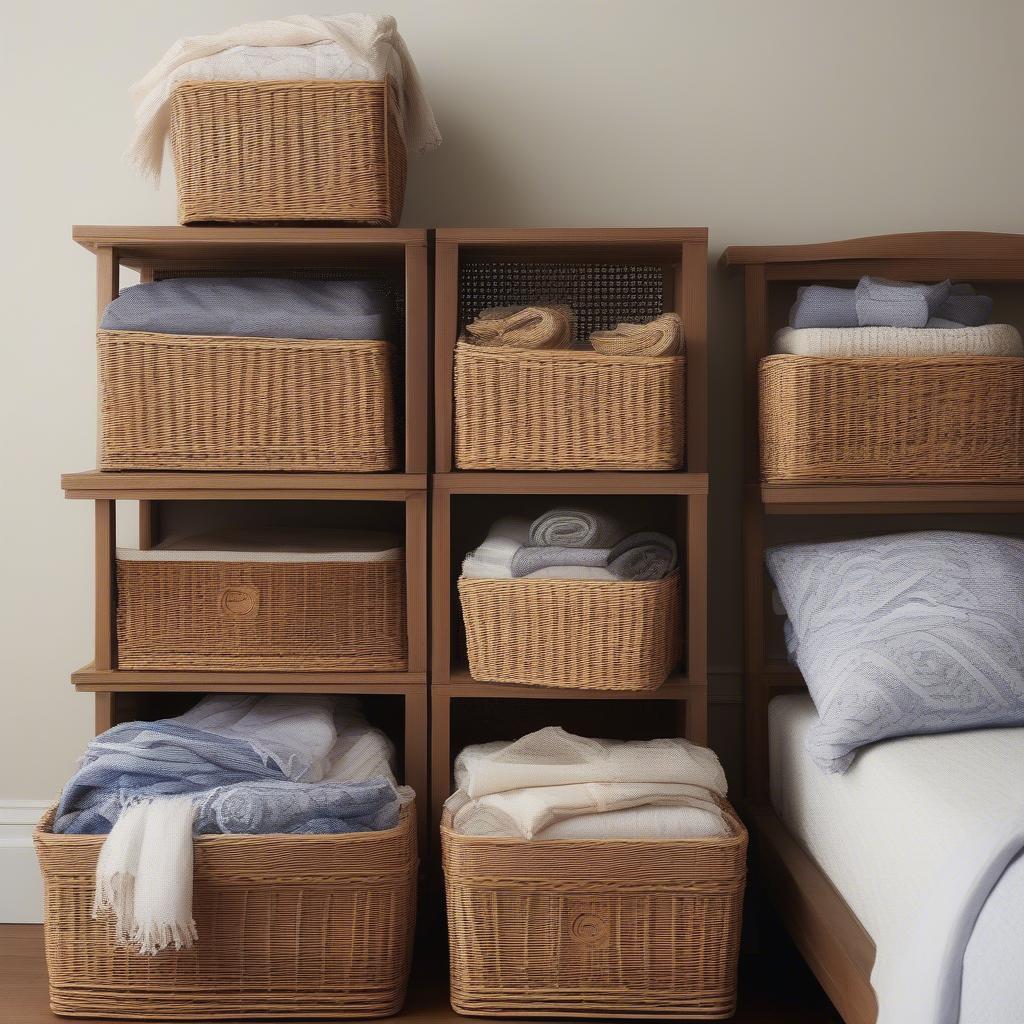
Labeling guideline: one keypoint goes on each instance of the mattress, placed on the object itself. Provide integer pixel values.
(919, 342)
(883, 831)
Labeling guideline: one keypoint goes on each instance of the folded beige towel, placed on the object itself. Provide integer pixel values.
(661, 337)
(522, 327)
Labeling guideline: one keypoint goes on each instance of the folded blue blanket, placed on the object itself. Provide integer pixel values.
(255, 307)
(235, 789)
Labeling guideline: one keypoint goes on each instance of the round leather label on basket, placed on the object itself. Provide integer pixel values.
(239, 602)
(588, 929)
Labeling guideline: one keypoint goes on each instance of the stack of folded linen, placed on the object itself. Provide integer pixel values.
(554, 785)
(551, 327)
(255, 307)
(232, 764)
(573, 544)
(348, 47)
(894, 318)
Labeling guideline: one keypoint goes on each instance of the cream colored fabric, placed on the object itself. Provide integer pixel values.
(528, 327)
(369, 47)
(293, 545)
(660, 337)
(585, 810)
(849, 342)
(554, 757)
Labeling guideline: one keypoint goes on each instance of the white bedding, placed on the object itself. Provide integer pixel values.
(849, 342)
(884, 831)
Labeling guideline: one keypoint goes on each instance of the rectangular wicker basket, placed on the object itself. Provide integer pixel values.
(288, 151)
(261, 616)
(289, 926)
(566, 409)
(590, 928)
(575, 634)
(198, 403)
(938, 418)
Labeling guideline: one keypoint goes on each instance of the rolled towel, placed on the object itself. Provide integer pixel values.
(643, 556)
(576, 527)
(595, 574)
(660, 337)
(492, 560)
(965, 306)
(820, 305)
(528, 560)
(528, 327)
(885, 303)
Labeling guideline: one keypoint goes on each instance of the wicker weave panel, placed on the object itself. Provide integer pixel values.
(546, 410)
(573, 634)
(270, 616)
(289, 926)
(600, 295)
(625, 928)
(291, 151)
(181, 402)
(941, 418)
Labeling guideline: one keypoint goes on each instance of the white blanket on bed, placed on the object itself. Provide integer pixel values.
(850, 342)
(915, 837)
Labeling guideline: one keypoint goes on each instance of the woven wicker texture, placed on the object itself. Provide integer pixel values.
(289, 926)
(631, 928)
(288, 151)
(272, 616)
(549, 409)
(573, 634)
(182, 402)
(939, 418)
(600, 295)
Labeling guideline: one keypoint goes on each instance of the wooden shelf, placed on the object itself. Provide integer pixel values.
(928, 496)
(572, 483)
(462, 684)
(92, 680)
(169, 485)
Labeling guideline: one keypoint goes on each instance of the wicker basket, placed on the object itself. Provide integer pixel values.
(590, 928)
(574, 634)
(172, 401)
(939, 418)
(283, 616)
(289, 926)
(552, 409)
(288, 151)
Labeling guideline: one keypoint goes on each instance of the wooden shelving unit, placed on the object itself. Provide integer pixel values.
(463, 709)
(401, 258)
(831, 938)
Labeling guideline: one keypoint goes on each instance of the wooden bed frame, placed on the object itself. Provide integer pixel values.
(828, 934)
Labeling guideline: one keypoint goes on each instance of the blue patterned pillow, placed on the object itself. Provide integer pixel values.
(903, 635)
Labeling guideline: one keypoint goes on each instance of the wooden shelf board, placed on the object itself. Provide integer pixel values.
(168, 484)
(462, 684)
(92, 680)
(571, 483)
(840, 498)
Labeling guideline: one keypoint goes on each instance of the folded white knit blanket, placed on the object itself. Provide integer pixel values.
(850, 342)
(554, 757)
(352, 47)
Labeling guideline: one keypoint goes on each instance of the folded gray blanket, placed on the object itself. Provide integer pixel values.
(879, 303)
(255, 307)
(643, 556)
(574, 527)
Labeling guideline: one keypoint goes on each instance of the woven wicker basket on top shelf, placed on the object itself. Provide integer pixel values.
(288, 151)
(938, 418)
(576, 634)
(289, 926)
(592, 928)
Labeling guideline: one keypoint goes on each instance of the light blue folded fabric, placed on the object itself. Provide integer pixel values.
(819, 305)
(882, 303)
(255, 307)
(964, 306)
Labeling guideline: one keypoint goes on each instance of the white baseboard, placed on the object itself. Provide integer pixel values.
(21, 888)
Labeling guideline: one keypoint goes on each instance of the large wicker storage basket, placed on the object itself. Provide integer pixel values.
(554, 409)
(183, 402)
(288, 151)
(276, 616)
(569, 633)
(939, 418)
(586, 928)
(289, 926)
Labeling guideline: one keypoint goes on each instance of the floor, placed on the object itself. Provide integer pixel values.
(776, 988)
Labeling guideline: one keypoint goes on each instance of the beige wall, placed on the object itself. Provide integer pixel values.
(782, 121)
